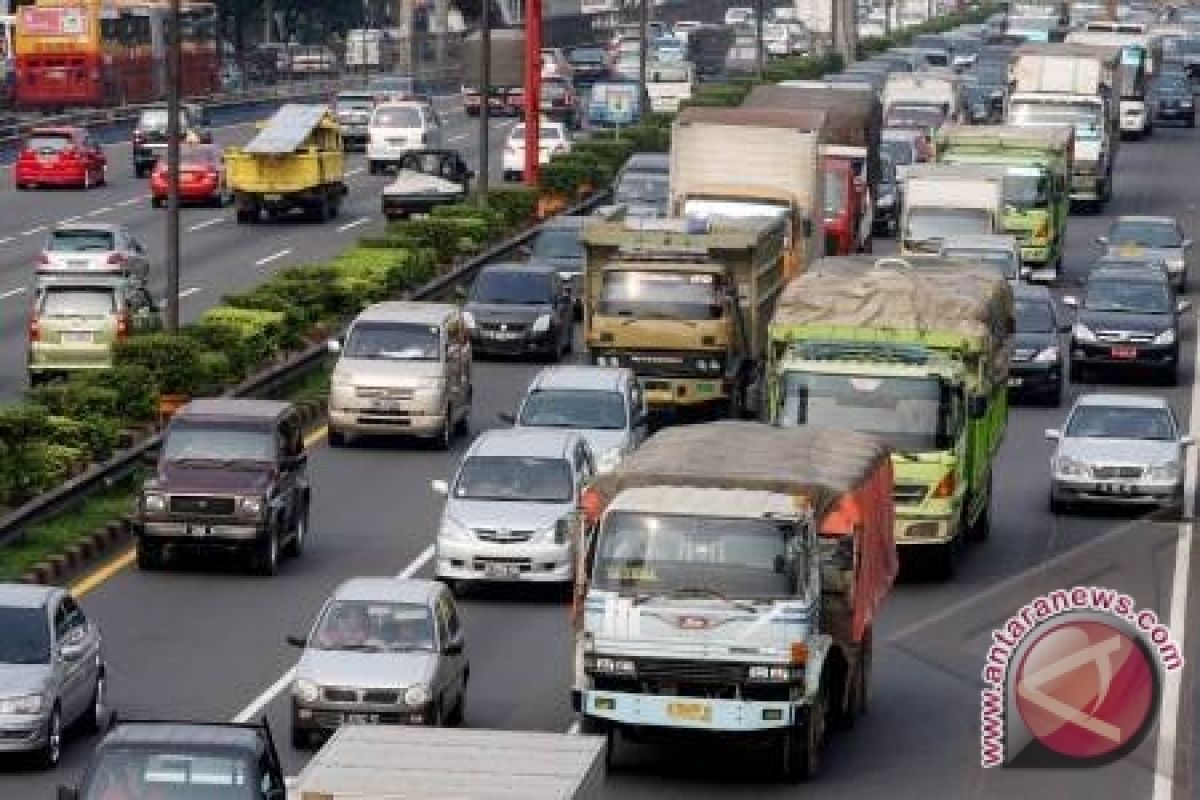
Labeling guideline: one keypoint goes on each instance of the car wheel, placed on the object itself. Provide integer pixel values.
(104, 175)
(97, 712)
(301, 738)
(267, 555)
(51, 752)
(445, 436)
(149, 555)
(1170, 375)
(87, 179)
(295, 545)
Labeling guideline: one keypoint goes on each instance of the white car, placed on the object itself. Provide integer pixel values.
(397, 128)
(739, 15)
(553, 142)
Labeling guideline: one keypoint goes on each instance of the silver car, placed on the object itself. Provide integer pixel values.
(93, 248)
(510, 512)
(605, 405)
(382, 651)
(1151, 237)
(52, 671)
(1120, 449)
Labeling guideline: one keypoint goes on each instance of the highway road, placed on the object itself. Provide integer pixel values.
(218, 256)
(208, 641)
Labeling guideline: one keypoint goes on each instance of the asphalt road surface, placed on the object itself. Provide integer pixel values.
(208, 642)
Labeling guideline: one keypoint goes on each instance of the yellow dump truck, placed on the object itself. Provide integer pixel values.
(294, 163)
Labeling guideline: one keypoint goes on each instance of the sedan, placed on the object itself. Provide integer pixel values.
(60, 157)
(552, 141)
(1153, 237)
(382, 651)
(1174, 102)
(93, 248)
(1118, 449)
(52, 672)
(1036, 368)
(559, 246)
(202, 178)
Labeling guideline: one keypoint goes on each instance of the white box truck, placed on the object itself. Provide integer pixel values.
(942, 200)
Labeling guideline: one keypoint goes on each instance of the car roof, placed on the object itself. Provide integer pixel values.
(110, 280)
(580, 376)
(1129, 272)
(26, 595)
(239, 407)
(1122, 400)
(530, 442)
(407, 311)
(153, 735)
(1160, 220)
(387, 590)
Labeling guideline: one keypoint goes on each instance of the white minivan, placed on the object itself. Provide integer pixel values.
(398, 128)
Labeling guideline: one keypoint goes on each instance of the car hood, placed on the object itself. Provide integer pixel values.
(19, 679)
(397, 374)
(519, 514)
(1125, 321)
(507, 312)
(413, 182)
(1118, 451)
(177, 478)
(366, 670)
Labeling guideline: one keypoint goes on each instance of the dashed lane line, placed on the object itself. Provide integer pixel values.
(102, 210)
(32, 231)
(273, 257)
(354, 224)
(199, 226)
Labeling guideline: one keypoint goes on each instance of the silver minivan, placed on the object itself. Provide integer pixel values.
(403, 369)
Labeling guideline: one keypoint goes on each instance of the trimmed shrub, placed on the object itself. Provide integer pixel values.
(172, 359)
(261, 332)
(135, 387)
(96, 436)
(515, 205)
(75, 398)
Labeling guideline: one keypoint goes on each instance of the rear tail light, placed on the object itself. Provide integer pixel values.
(115, 259)
(123, 325)
(35, 331)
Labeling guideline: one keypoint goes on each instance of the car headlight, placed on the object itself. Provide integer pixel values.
(772, 674)
(1047, 355)
(306, 691)
(250, 505)
(541, 324)
(1067, 466)
(453, 529)
(611, 666)
(416, 695)
(1082, 333)
(23, 704)
(1164, 472)
(469, 320)
(1167, 337)
(154, 502)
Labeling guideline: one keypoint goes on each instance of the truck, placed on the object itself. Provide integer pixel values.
(394, 762)
(774, 172)
(1037, 201)
(1077, 85)
(916, 354)
(940, 90)
(949, 199)
(296, 161)
(849, 156)
(506, 93)
(370, 49)
(668, 84)
(684, 304)
(1141, 57)
(730, 587)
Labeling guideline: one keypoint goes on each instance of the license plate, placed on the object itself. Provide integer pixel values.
(1014, 382)
(505, 571)
(77, 337)
(1115, 488)
(78, 262)
(386, 405)
(1124, 352)
(359, 719)
(690, 712)
(505, 335)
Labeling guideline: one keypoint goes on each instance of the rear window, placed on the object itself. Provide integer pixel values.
(80, 241)
(397, 118)
(64, 301)
(155, 119)
(49, 143)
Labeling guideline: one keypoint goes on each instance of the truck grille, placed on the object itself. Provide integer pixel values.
(384, 697)
(502, 535)
(1023, 353)
(506, 327)
(1108, 473)
(383, 393)
(671, 671)
(909, 492)
(1133, 337)
(194, 504)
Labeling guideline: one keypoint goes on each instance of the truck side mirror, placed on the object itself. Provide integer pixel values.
(977, 406)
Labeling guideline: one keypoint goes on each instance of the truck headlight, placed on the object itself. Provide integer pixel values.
(416, 695)
(306, 691)
(1167, 337)
(250, 505)
(22, 704)
(154, 503)
(611, 666)
(1067, 466)
(1047, 355)
(1082, 333)
(541, 324)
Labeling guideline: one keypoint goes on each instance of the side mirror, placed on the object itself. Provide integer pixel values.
(1187, 440)
(1053, 434)
(1101, 240)
(72, 651)
(333, 346)
(507, 418)
(297, 641)
(977, 406)
(1183, 305)
(440, 486)
(1070, 301)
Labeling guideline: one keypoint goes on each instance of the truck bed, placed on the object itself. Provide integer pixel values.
(282, 174)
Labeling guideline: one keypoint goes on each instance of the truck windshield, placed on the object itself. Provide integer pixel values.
(835, 194)
(170, 775)
(673, 295)
(220, 442)
(1025, 189)
(666, 553)
(910, 414)
(394, 342)
(935, 224)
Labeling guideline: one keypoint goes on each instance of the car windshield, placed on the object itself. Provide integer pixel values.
(667, 295)
(835, 194)
(24, 636)
(156, 120)
(934, 224)
(1129, 296)
(398, 85)
(49, 143)
(63, 301)
(1145, 234)
(397, 118)
(391, 341)
(80, 241)
(126, 772)
(1004, 263)
(587, 55)
(221, 444)
(1121, 422)
(558, 243)
(513, 287)
(202, 155)
(1026, 189)
(374, 626)
(514, 478)
(1033, 316)
(643, 188)
(679, 554)
(574, 408)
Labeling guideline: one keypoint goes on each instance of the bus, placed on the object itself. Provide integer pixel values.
(114, 52)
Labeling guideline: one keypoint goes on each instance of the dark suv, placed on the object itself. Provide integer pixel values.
(150, 134)
(517, 309)
(215, 760)
(230, 477)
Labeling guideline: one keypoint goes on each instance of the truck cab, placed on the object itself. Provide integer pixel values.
(844, 199)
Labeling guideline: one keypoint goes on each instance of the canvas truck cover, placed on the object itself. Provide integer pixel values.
(845, 477)
(942, 302)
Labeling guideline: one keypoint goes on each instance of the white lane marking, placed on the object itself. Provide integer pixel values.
(273, 257)
(7, 239)
(354, 224)
(199, 226)
(99, 211)
(271, 692)
(189, 292)
(354, 171)
(456, 138)
(130, 201)
(1168, 725)
(69, 220)
(13, 292)
(32, 231)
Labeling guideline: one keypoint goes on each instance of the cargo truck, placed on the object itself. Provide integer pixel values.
(850, 154)
(506, 94)
(918, 356)
(1141, 53)
(1037, 179)
(685, 305)
(394, 762)
(925, 89)
(943, 200)
(731, 585)
(773, 172)
(1077, 85)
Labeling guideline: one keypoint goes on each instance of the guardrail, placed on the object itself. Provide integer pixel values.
(109, 473)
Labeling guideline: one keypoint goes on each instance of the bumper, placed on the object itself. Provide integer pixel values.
(187, 192)
(57, 177)
(397, 206)
(1175, 114)
(1134, 120)
(322, 718)
(1030, 378)
(526, 343)
(201, 535)
(1101, 355)
(925, 530)
(667, 392)
(388, 155)
(22, 733)
(523, 562)
(690, 713)
(411, 422)
(1133, 493)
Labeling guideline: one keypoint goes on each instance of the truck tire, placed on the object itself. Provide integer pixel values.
(149, 555)
(982, 526)
(802, 750)
(942, 561)
(266, 555)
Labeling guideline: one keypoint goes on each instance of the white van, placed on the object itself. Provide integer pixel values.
(398, 128)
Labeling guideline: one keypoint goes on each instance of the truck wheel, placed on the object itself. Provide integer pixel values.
(266, 555)
(149, 555)
(942, 561)
(295, 545)
(801, 752)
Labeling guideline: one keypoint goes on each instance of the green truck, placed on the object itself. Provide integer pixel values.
(915, 353)
(1037, 184)
(685, 305)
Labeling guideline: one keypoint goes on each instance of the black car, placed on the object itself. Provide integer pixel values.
(519, 309)
(559, 246)
(1126, 319)
(589, 63)
(982, 109)
(1036, 368)
(150, 134)
(1173, 102)
(888, 197)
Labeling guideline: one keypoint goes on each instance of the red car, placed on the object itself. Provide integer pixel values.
(201, 177)
(60, 157)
